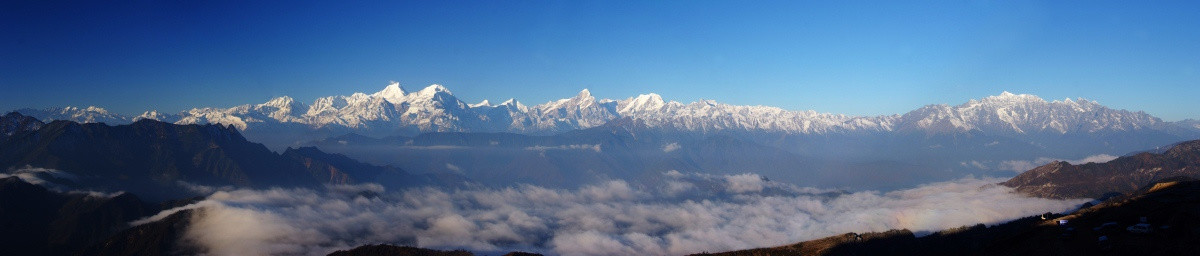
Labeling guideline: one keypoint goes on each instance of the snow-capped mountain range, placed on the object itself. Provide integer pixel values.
(436, 109)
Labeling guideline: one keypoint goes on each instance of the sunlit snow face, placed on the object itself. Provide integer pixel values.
(611, 218)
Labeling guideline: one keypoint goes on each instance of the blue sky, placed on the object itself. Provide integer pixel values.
(849, 57)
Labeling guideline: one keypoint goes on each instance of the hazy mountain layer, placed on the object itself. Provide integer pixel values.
(622, 149)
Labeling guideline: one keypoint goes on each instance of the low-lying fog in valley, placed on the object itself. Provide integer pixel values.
(688, 213)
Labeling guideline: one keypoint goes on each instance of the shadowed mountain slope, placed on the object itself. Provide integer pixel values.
(1122, 175)
(1171, 210)
(156, 159)
(36, 221)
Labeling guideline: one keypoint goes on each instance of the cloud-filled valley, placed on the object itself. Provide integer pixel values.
(689, 213)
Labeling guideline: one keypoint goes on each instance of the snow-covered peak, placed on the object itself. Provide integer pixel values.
(152, 115)
(283, 102)
(90, 114)
(96, 110)
(583, 98)
(1076, 102)
(433, 97)
(434, 89)
(155, 115)
(483, 103)
(392, 93)
(77, 110)
(644, 102)
(282, 108)
(1010, 113)
(1010, 98)
(513, 103)
(434, 108)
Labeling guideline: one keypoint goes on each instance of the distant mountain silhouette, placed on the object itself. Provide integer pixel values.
(152, 158)
(149, 157)
(339, 169)
(155, 159)
(14, 122)
(1120, 176)
(622, 149)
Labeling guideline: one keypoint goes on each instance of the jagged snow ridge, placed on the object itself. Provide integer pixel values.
(90, 114)
(1010, 113)
(435, 108)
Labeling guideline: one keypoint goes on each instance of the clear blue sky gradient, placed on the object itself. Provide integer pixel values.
(848, 57)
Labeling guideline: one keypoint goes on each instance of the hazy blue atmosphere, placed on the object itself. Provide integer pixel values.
(857, 58)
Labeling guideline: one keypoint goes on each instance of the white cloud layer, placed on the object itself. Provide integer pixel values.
(611, 218)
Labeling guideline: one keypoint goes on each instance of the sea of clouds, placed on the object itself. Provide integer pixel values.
(685, 213)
